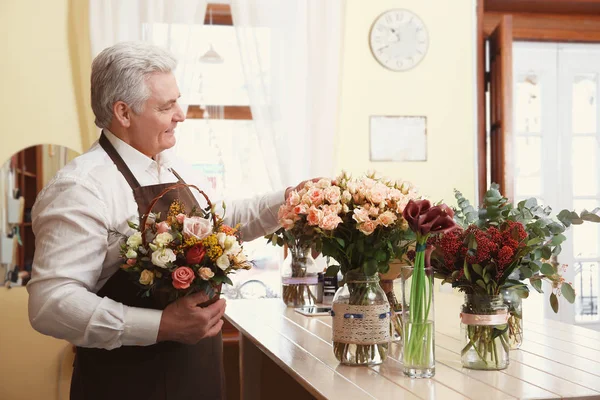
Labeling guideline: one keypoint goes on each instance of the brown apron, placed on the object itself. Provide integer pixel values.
(165, 370)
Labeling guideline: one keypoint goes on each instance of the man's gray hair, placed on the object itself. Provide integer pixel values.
(119, 74)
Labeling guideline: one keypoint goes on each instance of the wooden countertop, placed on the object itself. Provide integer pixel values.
(556, 360)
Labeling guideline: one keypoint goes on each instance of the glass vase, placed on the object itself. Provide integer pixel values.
(361, 321)
(418, 351)
(515, 318)
(386, 281)
(484, 326)
(299, 278)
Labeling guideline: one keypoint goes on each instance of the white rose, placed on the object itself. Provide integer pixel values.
(221, 237)
(162, 257)
(163, 239)
(134, 241)
(223, 262)
(232, 246)
(131, 254)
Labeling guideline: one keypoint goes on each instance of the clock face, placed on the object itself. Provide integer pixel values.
(399, 39)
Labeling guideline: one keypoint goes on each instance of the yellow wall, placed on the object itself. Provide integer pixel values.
(441, 88)
(29, 361)
(37, 100)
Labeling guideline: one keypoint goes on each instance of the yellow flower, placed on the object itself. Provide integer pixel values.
(176, 208)
(213, 250)
(147, 277)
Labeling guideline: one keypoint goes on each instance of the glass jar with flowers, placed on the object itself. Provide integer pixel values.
(299, 276)
(503, 248)
(357, 222)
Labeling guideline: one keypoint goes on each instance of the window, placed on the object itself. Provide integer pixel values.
(557, 151)
(219, 121)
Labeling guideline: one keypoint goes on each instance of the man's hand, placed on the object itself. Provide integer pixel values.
(300, 186)
(183, 321)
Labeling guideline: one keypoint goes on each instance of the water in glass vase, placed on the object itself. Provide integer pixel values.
(299, 278)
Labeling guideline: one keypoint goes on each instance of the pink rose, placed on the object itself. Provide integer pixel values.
(387, 218)
(332, 194)
(346, 197)
(182, 277)
(330, 222)
(180, 218)
(395, 194)
(293, 199)
(314, 216)
(361, 215)
(197, 227)
(162, 227)
(323, 183)
(377, 193)
(287, 223)
(131, 262)
(367, 227)
(301, 209)
(283, 212)
(316, 196)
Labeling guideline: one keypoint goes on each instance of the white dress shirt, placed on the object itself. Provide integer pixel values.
(75, 254)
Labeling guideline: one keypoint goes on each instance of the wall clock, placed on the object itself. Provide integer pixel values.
(399, 39)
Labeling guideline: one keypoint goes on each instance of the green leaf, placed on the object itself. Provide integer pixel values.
(554, 302)
(548, 269)
(591, 216)
(527, 273)
(370, 267)
(537, 285)
(567, 291)
(332, 270)
(546, 252)
(534, 241)
(534, 266)
(481, 284)
(478, 269)
(467, 272)
(341, 242)
(558, 239)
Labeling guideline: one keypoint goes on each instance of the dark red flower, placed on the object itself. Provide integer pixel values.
(195, 254)
(424, 219)
(505, 256)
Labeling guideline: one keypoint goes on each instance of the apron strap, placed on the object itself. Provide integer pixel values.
(179, 178)
(121, 166)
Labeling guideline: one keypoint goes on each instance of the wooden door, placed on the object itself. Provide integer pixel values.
(500, 88)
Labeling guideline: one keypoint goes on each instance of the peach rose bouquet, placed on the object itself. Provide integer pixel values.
(182, 253)
(356, 221)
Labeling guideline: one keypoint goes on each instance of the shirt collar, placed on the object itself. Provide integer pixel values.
(135, 160)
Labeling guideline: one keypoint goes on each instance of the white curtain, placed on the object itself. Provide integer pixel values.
(167, 23)
(293, 82)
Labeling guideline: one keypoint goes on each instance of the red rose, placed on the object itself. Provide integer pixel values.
(195, 254)
(182, 277)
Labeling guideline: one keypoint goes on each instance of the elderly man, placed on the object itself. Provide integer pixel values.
(127, 348)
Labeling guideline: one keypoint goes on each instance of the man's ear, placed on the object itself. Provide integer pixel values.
(122, 114)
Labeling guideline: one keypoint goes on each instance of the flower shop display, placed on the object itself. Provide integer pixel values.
(357, 222)
(185, 251)
(418, 354)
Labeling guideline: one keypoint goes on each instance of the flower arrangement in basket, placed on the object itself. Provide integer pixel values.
(501, 247)
(182, 252)
(358, 222)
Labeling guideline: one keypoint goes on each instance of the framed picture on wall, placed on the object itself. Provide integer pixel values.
(398, 138)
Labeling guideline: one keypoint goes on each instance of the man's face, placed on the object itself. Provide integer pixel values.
(153, 130)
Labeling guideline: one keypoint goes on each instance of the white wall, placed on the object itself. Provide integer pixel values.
(441, 87)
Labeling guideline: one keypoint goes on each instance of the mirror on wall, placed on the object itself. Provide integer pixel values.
(22, 177)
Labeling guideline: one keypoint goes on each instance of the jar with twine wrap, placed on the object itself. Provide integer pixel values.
(361, 321)
(484, 325)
